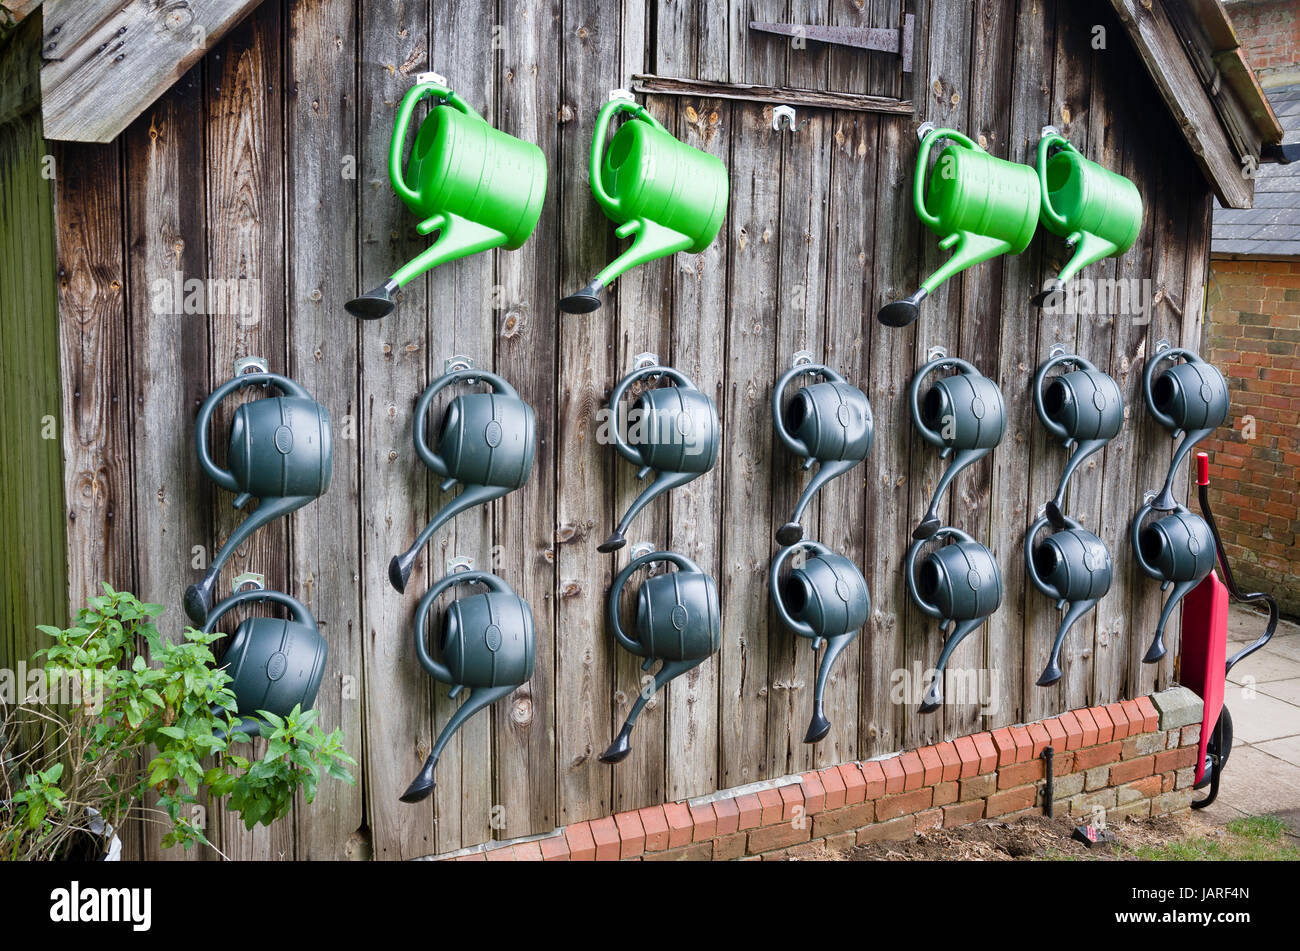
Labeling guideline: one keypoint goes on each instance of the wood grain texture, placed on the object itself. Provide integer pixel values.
(321, 190)
(114, 66)
(236, 173)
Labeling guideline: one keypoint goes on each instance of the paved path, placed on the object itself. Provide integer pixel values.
(1263, 774)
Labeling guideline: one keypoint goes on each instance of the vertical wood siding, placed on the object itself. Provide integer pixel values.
(268, 162)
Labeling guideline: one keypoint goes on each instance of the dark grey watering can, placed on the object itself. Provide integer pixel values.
(274, 664)
(961, 585)
(678, 621)
(486, 643)
(825, 599)
(964, 412)
(486, 442)
(1071, 566)
(672, 429)
(1176, 549)
(280, 452)
(1083, 408)
(1189, 398)
(829, 423)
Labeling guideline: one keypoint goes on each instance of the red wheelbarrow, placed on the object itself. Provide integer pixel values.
(1205, 664)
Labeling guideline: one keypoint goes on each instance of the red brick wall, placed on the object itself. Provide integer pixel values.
(1254, 338)
(1270, 34)
(1121, 759)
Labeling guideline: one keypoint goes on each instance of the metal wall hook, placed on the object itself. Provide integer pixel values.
(459, 563)
(1048, 130)
(787, 113)
(639, 549)
(1162, 345)
(1056, 350)
(251, 364)
(936, 353)
(258, 581)
(802, 358)
(431, 77)
(924, 129)
(623, 94)
(646, 359)
(456, 362)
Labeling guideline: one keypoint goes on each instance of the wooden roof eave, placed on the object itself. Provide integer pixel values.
(90, 45)
(1192, 55)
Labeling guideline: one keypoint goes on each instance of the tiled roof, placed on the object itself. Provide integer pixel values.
(1273, 225)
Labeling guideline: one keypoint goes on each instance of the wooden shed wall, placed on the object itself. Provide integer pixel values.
(244, 169)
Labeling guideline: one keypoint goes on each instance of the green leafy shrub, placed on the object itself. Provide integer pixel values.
(143, 735)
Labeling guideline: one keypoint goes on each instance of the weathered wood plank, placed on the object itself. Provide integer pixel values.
(851, 249)
(527, 100)
(973, 691)
(461, 321)
(245, 150)
(124, 62)
(1157, 44)
(771, 95)
(585, 654)
(1072, 82)
(321, 192)
(695, 525)
(754, 290)
(801, 316)
(948, 32)
(394, 36)
(166, 246)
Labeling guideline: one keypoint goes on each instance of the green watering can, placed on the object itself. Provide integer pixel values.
(980, 206)
(478, 187)
(664, 194)
(487, 643)
(280, 451)
(274, 664)
(1096, 211)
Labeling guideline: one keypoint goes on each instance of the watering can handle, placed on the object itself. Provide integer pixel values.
(422, 449)
(1135, 533)
(909, 566)
(1044, 146)
(220, 476)
(397, 145)
(774, 576)
(494, 583)
(796, 446)
(1040, 378)
(914, 396)
(923, 160)
(256, 596)
(1030, 568)
(603, 119)
(616, 591)
(616, 398)
(1148, 377)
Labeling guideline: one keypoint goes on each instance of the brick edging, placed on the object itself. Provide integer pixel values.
(1129, 758)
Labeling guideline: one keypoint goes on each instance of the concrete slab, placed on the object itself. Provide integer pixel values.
(1257, 784)
(1260, 717)
(1288, 690)
(1287, 748)
(1265, 665)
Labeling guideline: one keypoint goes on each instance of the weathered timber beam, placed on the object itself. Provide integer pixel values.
(779, 95)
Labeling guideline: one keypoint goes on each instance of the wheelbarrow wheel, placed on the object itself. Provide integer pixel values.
(1217, 750)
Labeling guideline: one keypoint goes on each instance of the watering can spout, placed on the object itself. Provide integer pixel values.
(198, 597)
(622, 744)
(1089, 249)
(900, 313)
(931, 523)
(399, 569)
(1165, 501)
(662, 483)
(650, 241)
(374, 303)
(458, 237)
(792, 532)
(1157, 649)
(478, 698)
(1052, 672)
(819, 725)
(1056, 507)
(933, 698)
